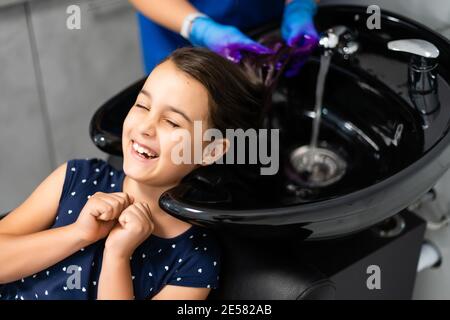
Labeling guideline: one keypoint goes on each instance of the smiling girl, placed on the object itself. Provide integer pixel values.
(90, 231)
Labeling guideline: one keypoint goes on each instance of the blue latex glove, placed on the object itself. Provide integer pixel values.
(225, 40)
(299, 32)
(297, 27)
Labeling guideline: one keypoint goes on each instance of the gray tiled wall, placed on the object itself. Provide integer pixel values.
(83, 68)
(435, 283)
(53, 79)
(24, 150)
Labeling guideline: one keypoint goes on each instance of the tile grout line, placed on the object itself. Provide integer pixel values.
(40, 86)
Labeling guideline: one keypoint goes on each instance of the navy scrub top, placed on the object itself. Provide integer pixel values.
(157, 42)
(190, 259)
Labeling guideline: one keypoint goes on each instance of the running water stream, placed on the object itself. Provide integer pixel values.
(316, 166)
(323, 70)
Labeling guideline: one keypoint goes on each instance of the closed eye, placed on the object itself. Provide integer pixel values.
(141, 106)
(173, 124)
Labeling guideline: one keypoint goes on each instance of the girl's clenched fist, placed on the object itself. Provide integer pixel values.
(134, 226)
(100, 214)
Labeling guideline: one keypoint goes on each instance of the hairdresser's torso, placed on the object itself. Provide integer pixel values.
(158, 42)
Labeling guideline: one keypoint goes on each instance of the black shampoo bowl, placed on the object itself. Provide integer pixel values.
(368, 119)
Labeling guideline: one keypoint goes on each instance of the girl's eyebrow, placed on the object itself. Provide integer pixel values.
(173, 109)
(146, 93)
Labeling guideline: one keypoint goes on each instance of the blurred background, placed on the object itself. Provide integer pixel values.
(53, 79)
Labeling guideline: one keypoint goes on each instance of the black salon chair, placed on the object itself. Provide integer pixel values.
(251, 268)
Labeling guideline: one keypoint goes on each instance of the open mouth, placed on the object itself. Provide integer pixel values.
(144, 152)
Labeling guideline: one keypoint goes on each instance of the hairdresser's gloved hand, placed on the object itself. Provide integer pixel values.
(298, 31)
(297, 27)
(225, 40)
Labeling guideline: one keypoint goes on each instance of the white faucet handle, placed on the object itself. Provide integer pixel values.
(415, 46)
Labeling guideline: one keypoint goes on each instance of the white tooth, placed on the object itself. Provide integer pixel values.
(140, 149)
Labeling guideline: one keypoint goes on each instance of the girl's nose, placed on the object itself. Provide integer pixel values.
(149, 131)
(148, 127)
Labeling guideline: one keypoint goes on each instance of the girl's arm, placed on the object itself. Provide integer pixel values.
(27, 247)
(167, 13)
(115, 282)
(170, 292)
(135, 225)
(24, 255)
(24, 247)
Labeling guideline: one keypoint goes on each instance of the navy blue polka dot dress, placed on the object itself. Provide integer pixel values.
(191, 259)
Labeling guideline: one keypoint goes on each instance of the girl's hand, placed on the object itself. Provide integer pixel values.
(99, 215)
(135, 225)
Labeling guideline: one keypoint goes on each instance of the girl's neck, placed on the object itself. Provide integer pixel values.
(165, 225)
(142, 192)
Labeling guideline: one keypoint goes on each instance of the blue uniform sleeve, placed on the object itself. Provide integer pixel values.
(201, 267)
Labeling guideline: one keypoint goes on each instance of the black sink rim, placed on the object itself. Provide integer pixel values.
(311, 212)
(192, 211)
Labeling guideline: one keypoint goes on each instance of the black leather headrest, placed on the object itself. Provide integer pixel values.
(267, 270)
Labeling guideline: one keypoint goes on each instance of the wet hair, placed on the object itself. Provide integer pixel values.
(235, 100)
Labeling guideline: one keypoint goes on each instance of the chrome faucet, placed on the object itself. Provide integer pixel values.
(422, 75)
(339, 39)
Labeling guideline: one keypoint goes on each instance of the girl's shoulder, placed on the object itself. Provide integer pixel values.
(201, 243)
(199, 263)
(197, 243)
(87, 165)
(91, 173)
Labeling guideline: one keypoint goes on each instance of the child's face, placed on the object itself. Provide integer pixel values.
(169, 100)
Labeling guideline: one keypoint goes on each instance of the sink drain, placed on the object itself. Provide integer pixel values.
(317, 167)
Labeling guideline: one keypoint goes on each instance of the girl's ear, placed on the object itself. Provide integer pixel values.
(214, 151)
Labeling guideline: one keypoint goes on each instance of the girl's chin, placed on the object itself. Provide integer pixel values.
(134, 170)
(149, 178)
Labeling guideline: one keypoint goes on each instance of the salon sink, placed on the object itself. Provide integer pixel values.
(392, 152)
